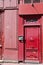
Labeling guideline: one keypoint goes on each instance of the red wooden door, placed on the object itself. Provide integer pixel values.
(32, 43)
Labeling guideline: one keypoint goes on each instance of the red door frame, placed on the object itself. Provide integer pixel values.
(21, 33)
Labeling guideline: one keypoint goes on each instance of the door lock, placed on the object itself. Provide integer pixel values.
(21, 38)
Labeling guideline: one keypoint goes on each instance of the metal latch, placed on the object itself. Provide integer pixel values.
(21, 38)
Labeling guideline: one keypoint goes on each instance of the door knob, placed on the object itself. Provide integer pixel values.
(31, 39)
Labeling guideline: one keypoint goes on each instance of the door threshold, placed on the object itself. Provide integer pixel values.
(32, 61)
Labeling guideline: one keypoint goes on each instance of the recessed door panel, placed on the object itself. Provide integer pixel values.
(32, 43)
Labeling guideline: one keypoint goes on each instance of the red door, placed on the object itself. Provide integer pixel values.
(32, 44)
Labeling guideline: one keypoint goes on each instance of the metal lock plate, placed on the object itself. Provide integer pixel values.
(21, 38)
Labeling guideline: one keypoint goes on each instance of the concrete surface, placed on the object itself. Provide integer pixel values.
(18, 64)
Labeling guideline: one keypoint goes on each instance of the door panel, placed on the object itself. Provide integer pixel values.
(32, 43)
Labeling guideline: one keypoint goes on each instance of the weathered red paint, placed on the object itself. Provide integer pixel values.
(8, 30)
(28, 29)
(10, 3)
(1, 3)
(32, 43)
(14, 25)
(10, 43)
(42, 38)
(1, 35)
(20, 44)
(28, 9)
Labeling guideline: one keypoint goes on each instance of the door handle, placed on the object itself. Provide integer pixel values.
(31, 39)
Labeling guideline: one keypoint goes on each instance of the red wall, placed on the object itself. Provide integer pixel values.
(20, 44)
(29, 9)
